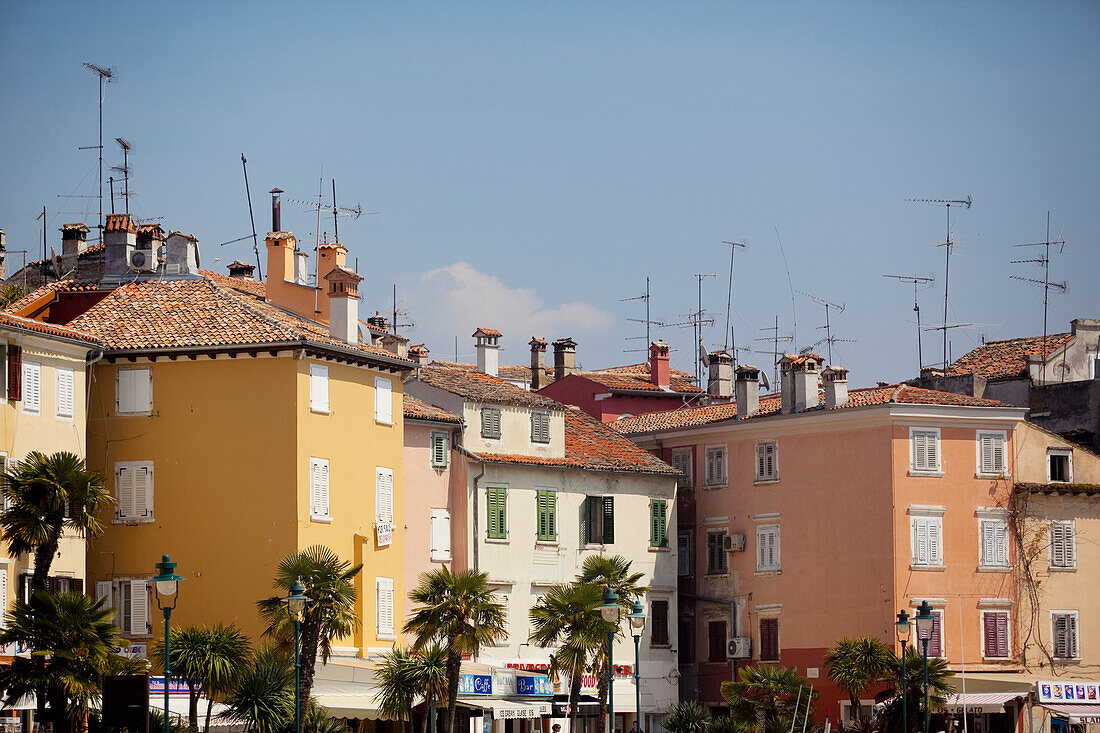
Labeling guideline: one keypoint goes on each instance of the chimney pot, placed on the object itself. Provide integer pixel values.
(74, 238)
(720, 381)
(799, 382)
(538, 363)
(659, 372)
(836, 386)
(243, 270)
(565, 357)
(343, 297)
(419, 353)
(486, 346)
(276, 210)
(747, 387)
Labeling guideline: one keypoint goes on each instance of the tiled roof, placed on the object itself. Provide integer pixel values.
(1006, 359)
(593, 446)
(474, 385)
(50, 329)
(416, 409)
(119, 223)
(523, 372)
(1076, 489)
(770, 404)
(490, 332)
(86, 252)
(635, 377)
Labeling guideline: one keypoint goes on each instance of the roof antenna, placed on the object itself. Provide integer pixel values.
(828, 329)
(917, 282)
(248, 193)
(1061, 287)
(105, 75)
(647, 320)
(397, 312)
(743, 244)
(697, 319)
(775, 347)
(125, 171)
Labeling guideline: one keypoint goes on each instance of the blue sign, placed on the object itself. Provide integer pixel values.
(533, 685)
(475, 684)
(177, 686)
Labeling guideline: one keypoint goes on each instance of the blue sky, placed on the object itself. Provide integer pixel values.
(532, 163)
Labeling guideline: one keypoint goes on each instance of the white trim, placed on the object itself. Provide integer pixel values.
(716, 520)
(937, 468)
(1069, 464)
(991, 512)
(934, 602)
(1003, 470)
(925, 510)
(768, 610)
(995, 603)
(765, 517)
(1076, 629)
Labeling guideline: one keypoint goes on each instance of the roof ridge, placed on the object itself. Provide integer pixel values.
(254, 311)
(897, 392)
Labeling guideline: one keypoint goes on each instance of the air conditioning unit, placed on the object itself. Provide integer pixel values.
(143, 260)
(739, 648)
(735, 543)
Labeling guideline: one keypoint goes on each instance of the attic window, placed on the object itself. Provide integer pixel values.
(1059, 466)
(490, 422)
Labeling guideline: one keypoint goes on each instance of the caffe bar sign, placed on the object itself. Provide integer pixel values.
(475, 684)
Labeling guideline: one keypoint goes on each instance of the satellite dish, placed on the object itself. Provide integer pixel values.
(764, 379)
(704, 357)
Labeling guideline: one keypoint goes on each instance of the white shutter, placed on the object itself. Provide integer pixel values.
(925, 447)
(3, 596)
(935, 542)
(1071, 636)
(383, 495)
(989, 549)
(441, 534)
(318, 387)
(103, 591)
(384, 601)
(64, 392)
(143, 492)
(1000, 537)
(139, 608)
(124, 490)
(383, 400)
(760, 467)
(32, 387)
(761, 549)
(1062, 544)
(318, 487)
(134, 391)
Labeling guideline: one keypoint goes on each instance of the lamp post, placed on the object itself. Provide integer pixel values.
(166, 583)
(637, 623)
(904, 629)
(925, 622)
(610, 610)
(296, 604)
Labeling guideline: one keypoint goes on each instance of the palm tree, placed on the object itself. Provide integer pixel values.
(75, 633)
(402, 676)
(768, 699)
(569, 615)
(856, 664)
(688, 716)
(264, 694)
(938, 690)
(329, 612)
(209, 659)
(610, 572)
(47, 495)
(458, 611)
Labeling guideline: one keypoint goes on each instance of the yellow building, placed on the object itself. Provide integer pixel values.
(236, 431)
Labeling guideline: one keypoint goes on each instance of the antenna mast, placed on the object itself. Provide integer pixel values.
(775, 348)
(743, 244)
(917, 281)
(647, 320)
(248, 193)
(104, 75)
(397, 313)
(125, 171)
(1045, 282)
(828, 328)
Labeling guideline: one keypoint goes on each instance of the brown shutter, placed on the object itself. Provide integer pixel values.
(769, 640)
(15, 373)
(716, 638)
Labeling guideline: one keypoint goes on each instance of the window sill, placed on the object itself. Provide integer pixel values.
(497, 540)
(994, 569)
(660, 549)
(134, 414)
(1067, 660)
(320, 520)
(765, 481)
(996, 660)
(1054, 569)
(594, 546)
(387, 423)
(660, 646)
(315, 411)
(767, 573)
(928, 568)
(997, 475)
(925, 474)
(134, 522)
(712, 487)
(716, 576)
(546, 543)
(441, 559)
(385, 637)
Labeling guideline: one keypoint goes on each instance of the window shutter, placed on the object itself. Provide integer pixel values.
(32, 387)
(683, 554)
(318, 387)
(935, 643)
(143, 492)
(64, 392)
(1000, 537)
(932, 451)
(1071, 636)
(608, 520)
(935, 553)
(987, 454)
(139, 608)
(552, 515)
(496, 508)
(761, 549)
(440, 447)
(441, 534)
(990, 634)
(658, 523)
(384, 597)
(103, 592)
(15, 373)
(761, 468)
(124, 488)
(659, 635)
(318, 487)
(383, 400)
(989, 547)
(769, 639)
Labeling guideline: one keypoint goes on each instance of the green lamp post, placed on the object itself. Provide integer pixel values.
(637, 619)
(903, 628)
(925, 625)
(610, 610)
(166, 584)
(296, 604)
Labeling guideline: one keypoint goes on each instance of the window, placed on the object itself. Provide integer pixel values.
(991, 453)
(935, 639)
(927, 549)
(318, 388)
(599, 520)
(994, 534)
(716, 553)
(135, 607)
(64, 392)
(1064, 634)
(658, 525)
(995, 634)
(683, 553)
(134, 491)
(133, 391)
(659, 613)
(767, 463)
(496, 507)
(318, 488)
(15, 372)
(540, 427)
(103, 592)
(924, 450)
(716, 466)
(32, 387)
(441, 535)
(767, 548)
(681, 461)
(440, 445)
(716, 641)
(490, 422)
(383, 504)
(1063, 544)
(685, 641)
(1059, 466)
(383, 400)
(769, 640)
(383, 588)
(547, 506)
(503, 598)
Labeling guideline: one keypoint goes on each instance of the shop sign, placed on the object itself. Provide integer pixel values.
(533, 685)
(475, 684)
(175, 686)
(132, 651)
(15, 649)
(1068, 691)
(504, 682)
(385, 533)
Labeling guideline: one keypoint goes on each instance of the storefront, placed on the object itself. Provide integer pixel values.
(1072, 706)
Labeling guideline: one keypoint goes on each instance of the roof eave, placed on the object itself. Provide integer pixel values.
(262, 346)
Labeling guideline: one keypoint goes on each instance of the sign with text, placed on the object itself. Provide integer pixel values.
(385, 533)
(529, 685)
(475, 684)
(16, 649)
(175, 687)
(132, 651)
(1068, 691)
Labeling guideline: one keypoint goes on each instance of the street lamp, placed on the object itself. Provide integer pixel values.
(637, 622)
(296, 604)
(925, 622)
(166, 583)
(610, 610)
(904, 629)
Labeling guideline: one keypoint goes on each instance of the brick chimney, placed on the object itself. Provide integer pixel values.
(799, 379)
(720, 380)
(240, 269)
(120, 240)
(538, 363)
(747, 389)
(658, 364)
(565, 358)
(395, 344)
(343, 304)
(420, 354)
(486, 346)
(379, 322)
(74, 238)
(836, 386)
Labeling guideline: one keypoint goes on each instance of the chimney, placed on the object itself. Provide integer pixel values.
(836, 386)
(799, 382)
(720, 380)
(330, 255)
(74, 238)
(343, 298)
(181, 254)
(658, 364)
(419, 353)
(538, 363)
(240, 269)
(486, 347)
(747, 387)
(301, 267)
(395, 344)
(565, 358)
(276, 210)
(120, 240)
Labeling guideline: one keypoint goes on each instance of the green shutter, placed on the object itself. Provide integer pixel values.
(546, 503)
(658, 536)
(497, 512)
(608, 520)
(586, 521)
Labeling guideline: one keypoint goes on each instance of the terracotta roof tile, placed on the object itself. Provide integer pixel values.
(1006, 359)
(635, 377)
(490, 332)
(416, 409)
(119, 223)
(50, 329)
(467, 382)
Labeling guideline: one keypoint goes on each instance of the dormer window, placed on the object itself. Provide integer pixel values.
(490, 422)
(540, 427)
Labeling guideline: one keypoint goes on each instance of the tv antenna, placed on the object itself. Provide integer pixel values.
(828, 328)
(105, 75)
(397, 312)
(1044, 260)
(647, 320)
(697, 319)
(743, 244)
(917, 281)
(947, 203)
(252, 219)
(336, 211)
(776, 339)
(124, 169)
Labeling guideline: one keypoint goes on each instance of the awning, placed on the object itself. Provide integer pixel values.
(508, 709)
(1089, 714)
(979, 702)
(346, 699)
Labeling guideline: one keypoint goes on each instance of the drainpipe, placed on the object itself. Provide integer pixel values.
(476, 512)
